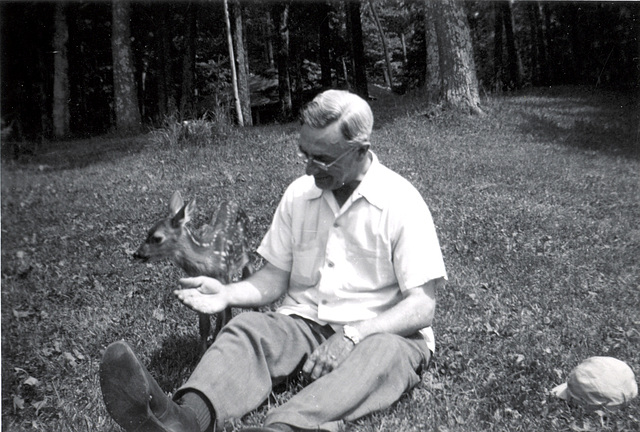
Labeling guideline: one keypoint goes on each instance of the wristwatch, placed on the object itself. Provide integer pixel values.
(351, 333)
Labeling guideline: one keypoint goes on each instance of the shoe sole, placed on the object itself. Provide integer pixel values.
(125, 390)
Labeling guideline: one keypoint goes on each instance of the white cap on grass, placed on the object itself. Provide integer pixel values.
(598, 382)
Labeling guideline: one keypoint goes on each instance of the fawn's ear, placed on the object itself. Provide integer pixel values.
(190, 210)
(176, 203)
(184, 215)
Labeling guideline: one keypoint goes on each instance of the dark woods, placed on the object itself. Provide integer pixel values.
(58, 58)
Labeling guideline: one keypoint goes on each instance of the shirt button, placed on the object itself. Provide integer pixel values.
(336, 225)
(324, 302)
(330, 264)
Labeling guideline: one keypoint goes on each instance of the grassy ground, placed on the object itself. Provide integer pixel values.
(537, 207)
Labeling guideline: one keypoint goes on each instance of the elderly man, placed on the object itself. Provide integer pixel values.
(353, 249)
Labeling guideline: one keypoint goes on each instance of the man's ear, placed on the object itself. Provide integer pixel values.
(364, 149)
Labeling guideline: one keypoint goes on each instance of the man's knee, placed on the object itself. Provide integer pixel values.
(382, 341)
(392, 349)
(247, 321)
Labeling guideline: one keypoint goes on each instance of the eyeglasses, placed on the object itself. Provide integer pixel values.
(323, 165)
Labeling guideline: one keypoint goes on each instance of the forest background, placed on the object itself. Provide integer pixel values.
(172, 58)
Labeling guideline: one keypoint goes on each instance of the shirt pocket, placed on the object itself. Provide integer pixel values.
(368, 269)
(305, 269)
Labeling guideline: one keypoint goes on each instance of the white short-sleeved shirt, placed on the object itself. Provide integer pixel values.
(351, 263)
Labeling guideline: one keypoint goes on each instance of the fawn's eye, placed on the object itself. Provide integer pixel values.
(156, 239)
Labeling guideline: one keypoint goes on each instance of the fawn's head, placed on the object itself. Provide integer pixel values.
(166, 236)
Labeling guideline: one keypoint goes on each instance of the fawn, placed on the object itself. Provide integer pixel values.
(220, 251)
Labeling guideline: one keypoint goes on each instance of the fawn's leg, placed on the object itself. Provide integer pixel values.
(222, 319)
(247, 271)
(204, 325)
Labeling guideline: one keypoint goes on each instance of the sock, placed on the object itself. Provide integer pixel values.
(201, 407)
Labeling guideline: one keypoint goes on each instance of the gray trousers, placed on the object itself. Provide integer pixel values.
(257, 351)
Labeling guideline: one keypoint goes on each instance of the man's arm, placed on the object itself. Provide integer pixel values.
(414, 312)
(207, 295)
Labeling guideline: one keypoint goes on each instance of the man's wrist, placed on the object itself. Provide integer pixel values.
(351, 333)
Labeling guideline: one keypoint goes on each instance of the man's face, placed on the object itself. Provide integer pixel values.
(327, 145)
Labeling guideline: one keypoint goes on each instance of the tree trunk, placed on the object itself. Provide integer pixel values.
(383, 40)
(124, 85)
(551, 55)
(281, 22)
(403, 42)
(515, 64)
(432, 72)
(497, 48)
(244, 93)
(166, 96)
(295, 74)
(61, 117)
(232, 61)
(354, 30)
(536, 44)
(187, 98)
(457, 68)
(541, 42)
(268, 40)
(324, 46)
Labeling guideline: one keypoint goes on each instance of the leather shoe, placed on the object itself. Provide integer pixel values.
(135, 400)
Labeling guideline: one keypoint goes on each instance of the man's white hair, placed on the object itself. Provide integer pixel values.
(353, 113)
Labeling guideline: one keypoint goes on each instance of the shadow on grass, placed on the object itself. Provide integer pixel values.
(68, 155)
(175, 361)
(602, 121)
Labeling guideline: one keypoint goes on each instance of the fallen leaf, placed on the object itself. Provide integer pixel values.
(39, 405)
(159, 315)
(31, 381)
(18, 403)
(70, 358)
(21, 314)
(78, 354)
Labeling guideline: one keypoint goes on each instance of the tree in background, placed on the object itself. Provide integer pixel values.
(324, 45)
(358, 62)
(124, 84)
(512, 70)
(232, 63)
(187, 96)
(432, 70)
(458, 82)
(242, 61)
(61, 116)
(540, 73)
(280, 14)
(166, 98)
(383, 40)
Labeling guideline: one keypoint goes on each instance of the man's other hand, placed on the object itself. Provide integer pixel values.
(328, 356)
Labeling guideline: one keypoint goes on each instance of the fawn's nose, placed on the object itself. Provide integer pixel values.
(139, 256)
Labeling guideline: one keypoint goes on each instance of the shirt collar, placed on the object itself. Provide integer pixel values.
(369, 187)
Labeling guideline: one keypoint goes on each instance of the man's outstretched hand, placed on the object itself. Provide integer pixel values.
(202, 294)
